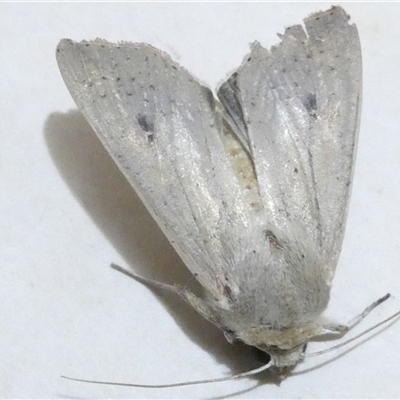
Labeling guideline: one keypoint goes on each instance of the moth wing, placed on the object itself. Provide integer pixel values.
(163, 130)
(298, 108)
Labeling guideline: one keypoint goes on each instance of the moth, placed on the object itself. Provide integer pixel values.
(252, 190)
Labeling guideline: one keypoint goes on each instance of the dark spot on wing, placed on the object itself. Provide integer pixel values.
(228, 292)
(144, 123)
(273, 241)
(310, 104)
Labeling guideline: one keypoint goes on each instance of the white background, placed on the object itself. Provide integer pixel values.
(66, 212)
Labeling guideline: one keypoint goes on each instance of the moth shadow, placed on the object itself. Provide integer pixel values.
(108, 198)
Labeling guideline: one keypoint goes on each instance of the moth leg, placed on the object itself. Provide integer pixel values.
(343, 329)
(203, 307)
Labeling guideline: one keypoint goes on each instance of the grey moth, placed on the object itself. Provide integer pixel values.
(252, 190)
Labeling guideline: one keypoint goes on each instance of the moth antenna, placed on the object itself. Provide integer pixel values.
(346, 342)
(171, 385)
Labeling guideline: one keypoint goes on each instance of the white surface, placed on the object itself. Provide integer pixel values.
(67, 212)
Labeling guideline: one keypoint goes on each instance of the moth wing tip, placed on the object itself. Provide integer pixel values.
(339, 12)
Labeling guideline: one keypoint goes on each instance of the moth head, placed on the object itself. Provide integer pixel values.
(284, 360)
